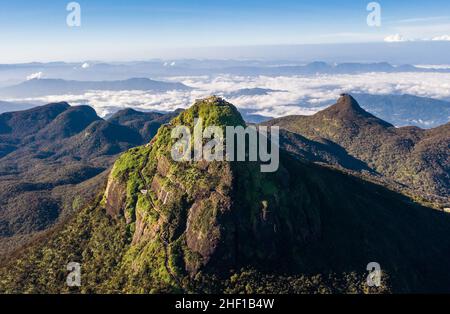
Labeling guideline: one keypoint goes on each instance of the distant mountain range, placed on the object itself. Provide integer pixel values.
(319, 67)
(161, 226)
(101, 71)
(44, 87)
(251, 92)
(406, 110)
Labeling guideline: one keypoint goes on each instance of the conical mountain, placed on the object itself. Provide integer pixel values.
(348, 110)
(398, 154)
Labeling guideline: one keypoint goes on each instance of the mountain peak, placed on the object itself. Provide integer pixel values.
(346, 102)
(126, 112)
(70, 122)
(62, 105)
(348, 109)
(213, 100)
(213, 110)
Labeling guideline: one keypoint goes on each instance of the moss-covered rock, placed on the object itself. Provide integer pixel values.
(197, 213)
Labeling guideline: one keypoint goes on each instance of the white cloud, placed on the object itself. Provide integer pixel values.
(33, 76)
(422, 29)
(400, 38)
(301, 94)
(433, 66)
(395, 38)
(166, 64)
(441, 38)
(85, 65)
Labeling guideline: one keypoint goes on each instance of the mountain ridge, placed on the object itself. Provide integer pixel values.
(44, 87)
(396, 153)
(53, 159)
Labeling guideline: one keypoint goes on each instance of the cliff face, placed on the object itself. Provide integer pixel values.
(187, 220)
(206, 215)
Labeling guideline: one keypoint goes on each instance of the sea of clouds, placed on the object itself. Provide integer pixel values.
(290, 94)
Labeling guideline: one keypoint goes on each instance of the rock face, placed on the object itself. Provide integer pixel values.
(197, 219)
(115, 196)
(207, 215)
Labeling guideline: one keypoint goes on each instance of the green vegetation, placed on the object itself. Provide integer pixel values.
(54, 160)
(91, 238)
(209, 227)
(409, 159)
(214, 111)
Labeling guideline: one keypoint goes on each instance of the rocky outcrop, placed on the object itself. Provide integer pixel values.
(115, 196)
(208, 216)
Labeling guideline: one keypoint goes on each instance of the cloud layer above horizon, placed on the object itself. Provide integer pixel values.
(286, 95)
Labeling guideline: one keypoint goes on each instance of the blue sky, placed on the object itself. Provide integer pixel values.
(34, 30)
